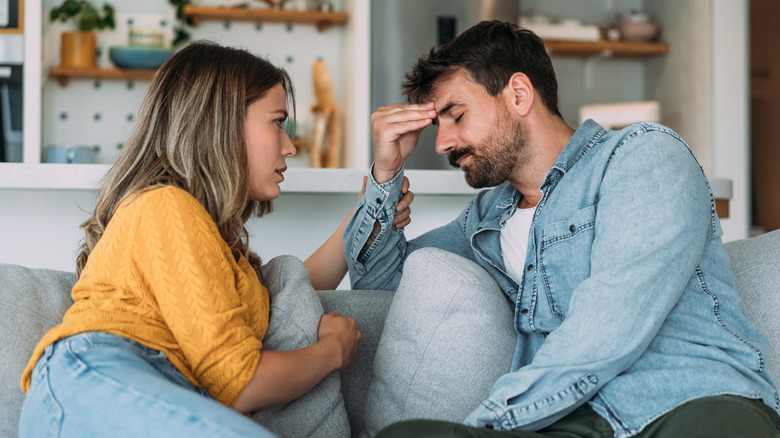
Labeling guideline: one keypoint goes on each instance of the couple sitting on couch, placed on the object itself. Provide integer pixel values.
(618, 300)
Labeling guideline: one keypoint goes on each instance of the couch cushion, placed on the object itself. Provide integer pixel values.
(32, 301)
(369, 308)
(295, 319)
(756, 265)
(448, 337)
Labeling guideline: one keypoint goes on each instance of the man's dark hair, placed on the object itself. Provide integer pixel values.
(491, 52)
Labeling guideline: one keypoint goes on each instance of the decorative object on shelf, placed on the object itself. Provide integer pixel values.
(145, 51)
(637, 26)
(276, 4)
(563, 30)
(325, 145)
(137, 57)
(621, 114)
(145, 37)
(71, 154)
(78, 49)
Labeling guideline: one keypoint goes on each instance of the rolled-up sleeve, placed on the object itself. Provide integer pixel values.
(378, 264)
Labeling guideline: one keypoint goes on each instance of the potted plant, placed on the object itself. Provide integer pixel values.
(78, 48)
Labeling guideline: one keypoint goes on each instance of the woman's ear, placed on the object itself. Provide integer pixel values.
(521, 93)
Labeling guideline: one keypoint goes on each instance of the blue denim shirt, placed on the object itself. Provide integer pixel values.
(627, 301)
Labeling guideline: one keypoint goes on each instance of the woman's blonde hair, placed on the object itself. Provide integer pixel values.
(190, 134)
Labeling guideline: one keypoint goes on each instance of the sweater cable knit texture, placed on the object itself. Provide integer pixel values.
(162, 275)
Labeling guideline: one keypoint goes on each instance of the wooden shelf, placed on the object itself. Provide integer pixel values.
(323, 20)
(64, 74)
(622, 49)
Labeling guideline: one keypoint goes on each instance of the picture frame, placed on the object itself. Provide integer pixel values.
(12, 16)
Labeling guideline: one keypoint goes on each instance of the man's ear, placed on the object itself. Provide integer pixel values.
(521, 93)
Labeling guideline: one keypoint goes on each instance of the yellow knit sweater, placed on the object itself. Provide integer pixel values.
(162, 275)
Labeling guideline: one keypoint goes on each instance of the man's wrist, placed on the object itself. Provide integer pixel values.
(383, 176)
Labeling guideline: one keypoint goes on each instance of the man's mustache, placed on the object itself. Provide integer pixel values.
(456, 154)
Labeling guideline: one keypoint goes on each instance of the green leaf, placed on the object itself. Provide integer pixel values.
(89, 19)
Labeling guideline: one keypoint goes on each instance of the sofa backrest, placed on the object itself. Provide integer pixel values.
(756, 265)
(32, 301)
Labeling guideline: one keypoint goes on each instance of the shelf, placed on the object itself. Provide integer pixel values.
(297, 180)
(622, 49)
(64, 74)
(323, 20)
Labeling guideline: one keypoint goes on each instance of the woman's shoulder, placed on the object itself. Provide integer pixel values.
(162, 198)
(164, 202)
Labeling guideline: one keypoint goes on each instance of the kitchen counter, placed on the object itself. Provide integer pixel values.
(297, 180)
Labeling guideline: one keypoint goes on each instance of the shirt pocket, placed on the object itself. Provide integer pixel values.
(564, 257)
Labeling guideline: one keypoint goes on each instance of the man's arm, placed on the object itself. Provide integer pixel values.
(652, 222)
(327, 265)
(374, 249)
(371, 244)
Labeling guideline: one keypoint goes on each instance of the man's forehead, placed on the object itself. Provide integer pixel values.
(453, 88)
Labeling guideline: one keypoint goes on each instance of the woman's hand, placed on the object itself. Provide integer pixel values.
(341, 334)
(402, 217)
(283, 376)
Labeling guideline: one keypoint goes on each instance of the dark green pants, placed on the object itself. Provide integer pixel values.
(710, 417)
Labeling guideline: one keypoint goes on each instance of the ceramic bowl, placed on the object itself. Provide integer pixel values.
(139, 57)
(639, 31)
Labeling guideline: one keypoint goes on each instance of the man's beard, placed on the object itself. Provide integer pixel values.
(500, 155)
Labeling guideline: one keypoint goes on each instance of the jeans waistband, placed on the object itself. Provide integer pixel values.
(158, 359)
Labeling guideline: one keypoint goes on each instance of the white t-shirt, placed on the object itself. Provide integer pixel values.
(514, 241)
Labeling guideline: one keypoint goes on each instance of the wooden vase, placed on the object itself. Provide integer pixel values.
(78, 49)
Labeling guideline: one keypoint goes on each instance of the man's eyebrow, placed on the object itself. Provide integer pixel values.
(446, 108)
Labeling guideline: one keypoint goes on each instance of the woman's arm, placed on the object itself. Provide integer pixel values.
(283, 376)
(327, 265)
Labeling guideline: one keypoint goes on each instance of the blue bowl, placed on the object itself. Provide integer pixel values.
(139, 57)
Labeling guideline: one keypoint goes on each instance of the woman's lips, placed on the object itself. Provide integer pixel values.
(281, 172)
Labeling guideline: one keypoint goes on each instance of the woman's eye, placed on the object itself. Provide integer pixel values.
(459, 117)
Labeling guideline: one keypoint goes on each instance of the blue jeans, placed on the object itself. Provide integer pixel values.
(100, 384)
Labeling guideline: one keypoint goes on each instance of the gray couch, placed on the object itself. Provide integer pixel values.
(33, 300)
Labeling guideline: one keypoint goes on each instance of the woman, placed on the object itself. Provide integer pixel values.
(169, 315)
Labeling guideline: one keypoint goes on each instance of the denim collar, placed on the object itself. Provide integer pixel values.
(587, 135)
(584, 138)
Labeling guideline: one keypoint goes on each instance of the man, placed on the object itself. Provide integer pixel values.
(606, 242)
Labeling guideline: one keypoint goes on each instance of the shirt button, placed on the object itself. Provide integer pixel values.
(530, 267)
(378, 200)
(572, 228)
(524, 312)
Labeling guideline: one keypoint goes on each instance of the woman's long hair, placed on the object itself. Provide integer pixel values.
(189, 134)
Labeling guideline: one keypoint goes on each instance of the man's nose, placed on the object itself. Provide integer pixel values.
(445, 139)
